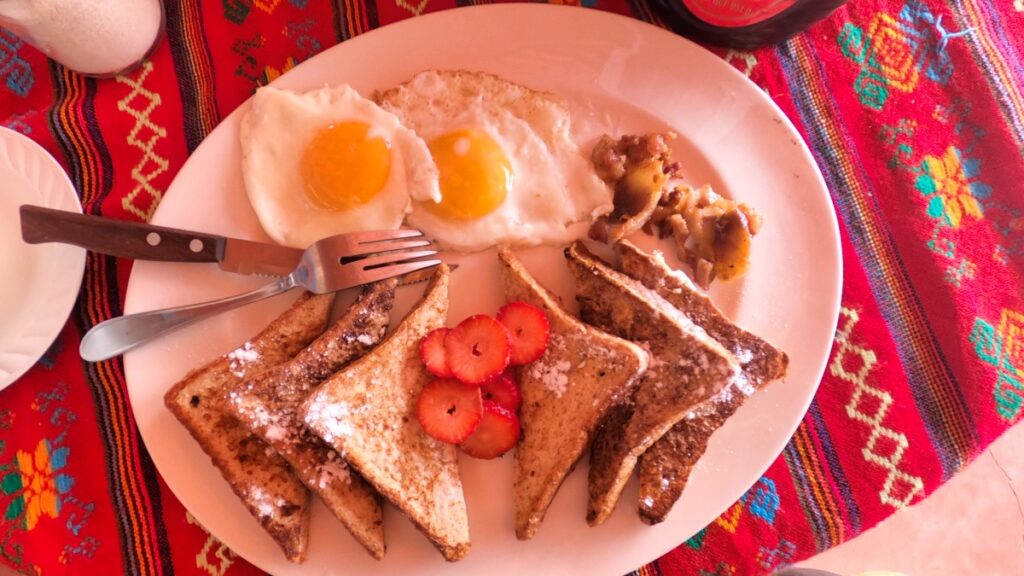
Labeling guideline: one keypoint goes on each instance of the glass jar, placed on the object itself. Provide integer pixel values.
(742, 23)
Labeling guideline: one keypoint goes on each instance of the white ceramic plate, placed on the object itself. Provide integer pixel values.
(40, 281)
(619, 75)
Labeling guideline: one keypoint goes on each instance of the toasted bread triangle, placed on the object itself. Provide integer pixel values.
(259, 476)
(687, 367)
(565, 394)
(270, 404)
(367, 413)
(665, 468)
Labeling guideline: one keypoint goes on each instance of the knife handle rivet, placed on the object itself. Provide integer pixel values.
(196, 245)
(153, 239)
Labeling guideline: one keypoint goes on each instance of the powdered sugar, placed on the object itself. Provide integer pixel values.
(554, 375)
(742, 383)
(333, 469)
(743, 355)
(274, 433)
(241, 358)
(330, 419)
(265, 505)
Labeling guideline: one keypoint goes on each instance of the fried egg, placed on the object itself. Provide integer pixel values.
(329, 161)
(510, 172)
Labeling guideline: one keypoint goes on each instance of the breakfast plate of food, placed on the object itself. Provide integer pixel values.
(641, 285)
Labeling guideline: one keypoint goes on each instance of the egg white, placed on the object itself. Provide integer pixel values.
(275, 132)
(553, 183)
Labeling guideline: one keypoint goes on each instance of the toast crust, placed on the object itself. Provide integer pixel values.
(565, 394)
(270, 404)
(366, 412)
(687, 367)
(665, 468)
(259, 476)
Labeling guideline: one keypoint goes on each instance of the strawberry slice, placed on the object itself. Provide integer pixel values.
(449, 410)
(433, 355)
(478, 349)
(497, 433)
(528, 327)
(503, 390)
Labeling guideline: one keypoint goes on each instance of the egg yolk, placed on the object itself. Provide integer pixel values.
(475, 174)
(343, 167)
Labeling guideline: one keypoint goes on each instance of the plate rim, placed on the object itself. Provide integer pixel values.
(71, 282)
(833, 297)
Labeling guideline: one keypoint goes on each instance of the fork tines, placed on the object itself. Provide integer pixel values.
(395, 268)
(389, 258)
(381, 241)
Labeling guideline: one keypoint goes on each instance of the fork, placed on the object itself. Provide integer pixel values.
(331, 264)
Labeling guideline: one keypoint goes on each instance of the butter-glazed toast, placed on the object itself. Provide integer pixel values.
(259, 476)
(269, 404)
(665, 468)
(564, 395)
(367, 413)
(687, 367)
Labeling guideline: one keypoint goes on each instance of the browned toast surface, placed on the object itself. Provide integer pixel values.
(761, 361)
(665, 468)
(269, 404)
(565, 394)
(259, 476)
(367, 413)
(687, 367)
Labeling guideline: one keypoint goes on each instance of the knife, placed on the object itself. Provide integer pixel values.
(146, 242)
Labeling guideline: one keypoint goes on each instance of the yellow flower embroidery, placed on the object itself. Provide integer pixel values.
(40, 485)
(951, 186)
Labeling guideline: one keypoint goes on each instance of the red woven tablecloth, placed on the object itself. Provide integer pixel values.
(914, 111)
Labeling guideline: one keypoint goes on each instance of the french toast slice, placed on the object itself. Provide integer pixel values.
(269, 404)
(687, 367)
(367, 412)
(665, 468)
(259, 476)
(564, 395)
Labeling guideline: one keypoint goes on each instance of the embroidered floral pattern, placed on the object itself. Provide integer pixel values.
(37, 483)
(949, 182)
(1002, 348)
(894, 51)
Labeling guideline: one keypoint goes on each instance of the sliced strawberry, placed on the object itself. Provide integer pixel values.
(449, 410)
(497, 433)
(503, 390)
(528, 327)
(478, 349)
(433, 355)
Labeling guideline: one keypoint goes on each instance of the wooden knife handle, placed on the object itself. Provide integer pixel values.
(117, 237)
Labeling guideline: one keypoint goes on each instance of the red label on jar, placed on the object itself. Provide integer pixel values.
(736, 13)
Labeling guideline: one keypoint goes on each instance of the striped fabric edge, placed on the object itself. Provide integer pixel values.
(820, 483)
(998, 58)
(936, 392)
(354, 17)
(193, 66)
(73, 124)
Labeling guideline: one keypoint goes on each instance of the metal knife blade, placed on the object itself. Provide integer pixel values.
(249, 257)
(147, 242)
